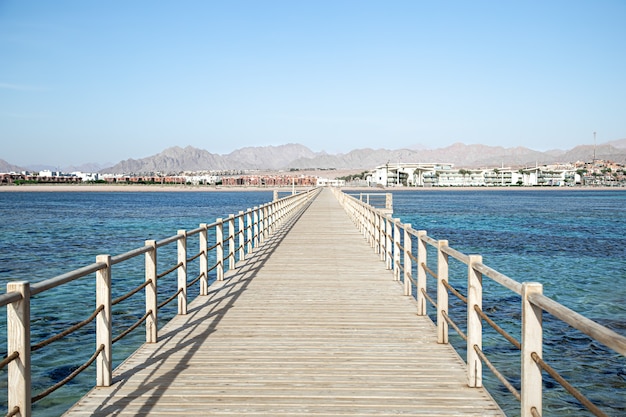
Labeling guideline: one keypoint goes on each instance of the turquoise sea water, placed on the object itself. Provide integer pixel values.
(574, 242)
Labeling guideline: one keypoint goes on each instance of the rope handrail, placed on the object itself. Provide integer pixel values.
(131, 328)
(8, 359)
(14, 412)
(454, 291)
(430, 271)
(169, 271)
(213, 267)
(196, 256)
(413, 257)
(497, 328)
(68, 378)
(573, 391)
(196, 279)
(210, 248)
(130, 293)
(497, 373)
(173, 297)
(413, 280)
(454, 325)
(67, 331)
(428, 297)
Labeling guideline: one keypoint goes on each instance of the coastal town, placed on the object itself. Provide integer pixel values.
(594, 173)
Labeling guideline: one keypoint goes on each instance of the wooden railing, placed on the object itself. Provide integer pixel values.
(235, 238)
(394, 241)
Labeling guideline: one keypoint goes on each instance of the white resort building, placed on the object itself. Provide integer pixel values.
(444, 175)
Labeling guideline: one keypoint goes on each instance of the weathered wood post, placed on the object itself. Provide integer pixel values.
(396, 249)
(377, 229)
(231, 242)
(219, 249)
(422, 261)
(182, 272)
(249, 230)
(442, 292)
(408, 264)
(204, 259)
(264, 234)
(388, 245)
(151, 293)
(255, 230)
(242, 238)
(474, 324)
(104, 363)
(382, 231)
(532, 342)
(18, 340)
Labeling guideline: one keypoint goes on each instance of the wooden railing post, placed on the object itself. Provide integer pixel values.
(18, 340)
(231, 242)
(151, 293)
(396, 250)
(264, 231)
(204, 259)
(474, 324)
(104, 363)
(255, 229)
(388, 247)
(382, 239)
(182, 272)
(422, 261)
(242, 238)
(442, 292)
(219, 250)
(532, 341)
(249, 230)
(408, 264)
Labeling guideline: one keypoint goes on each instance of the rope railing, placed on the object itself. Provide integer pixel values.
(573, 391)
(169, 271)
(195, 280)
(130, 293)
(386, 235)
(428, 297)
(454, 291)
(169, 300)
(68, 331)
(132, 327)
(451, 322)
(8, 359)
(497, 328)
(15, 411)
(68, 378)
(194, 257)
(498, 374)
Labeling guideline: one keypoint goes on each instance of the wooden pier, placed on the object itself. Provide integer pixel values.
(312, 323)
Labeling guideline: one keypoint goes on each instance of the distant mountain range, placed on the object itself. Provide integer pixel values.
(296, 156)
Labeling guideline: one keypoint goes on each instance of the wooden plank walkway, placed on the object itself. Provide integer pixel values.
(312, 324)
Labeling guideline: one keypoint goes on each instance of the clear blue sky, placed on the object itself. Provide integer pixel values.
(103, 81)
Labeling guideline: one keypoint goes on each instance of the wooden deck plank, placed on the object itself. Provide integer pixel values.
(311, 324)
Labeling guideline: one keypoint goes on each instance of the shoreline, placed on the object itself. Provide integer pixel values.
(213, 189)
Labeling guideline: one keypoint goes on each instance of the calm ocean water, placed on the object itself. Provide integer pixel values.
(572, 241)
